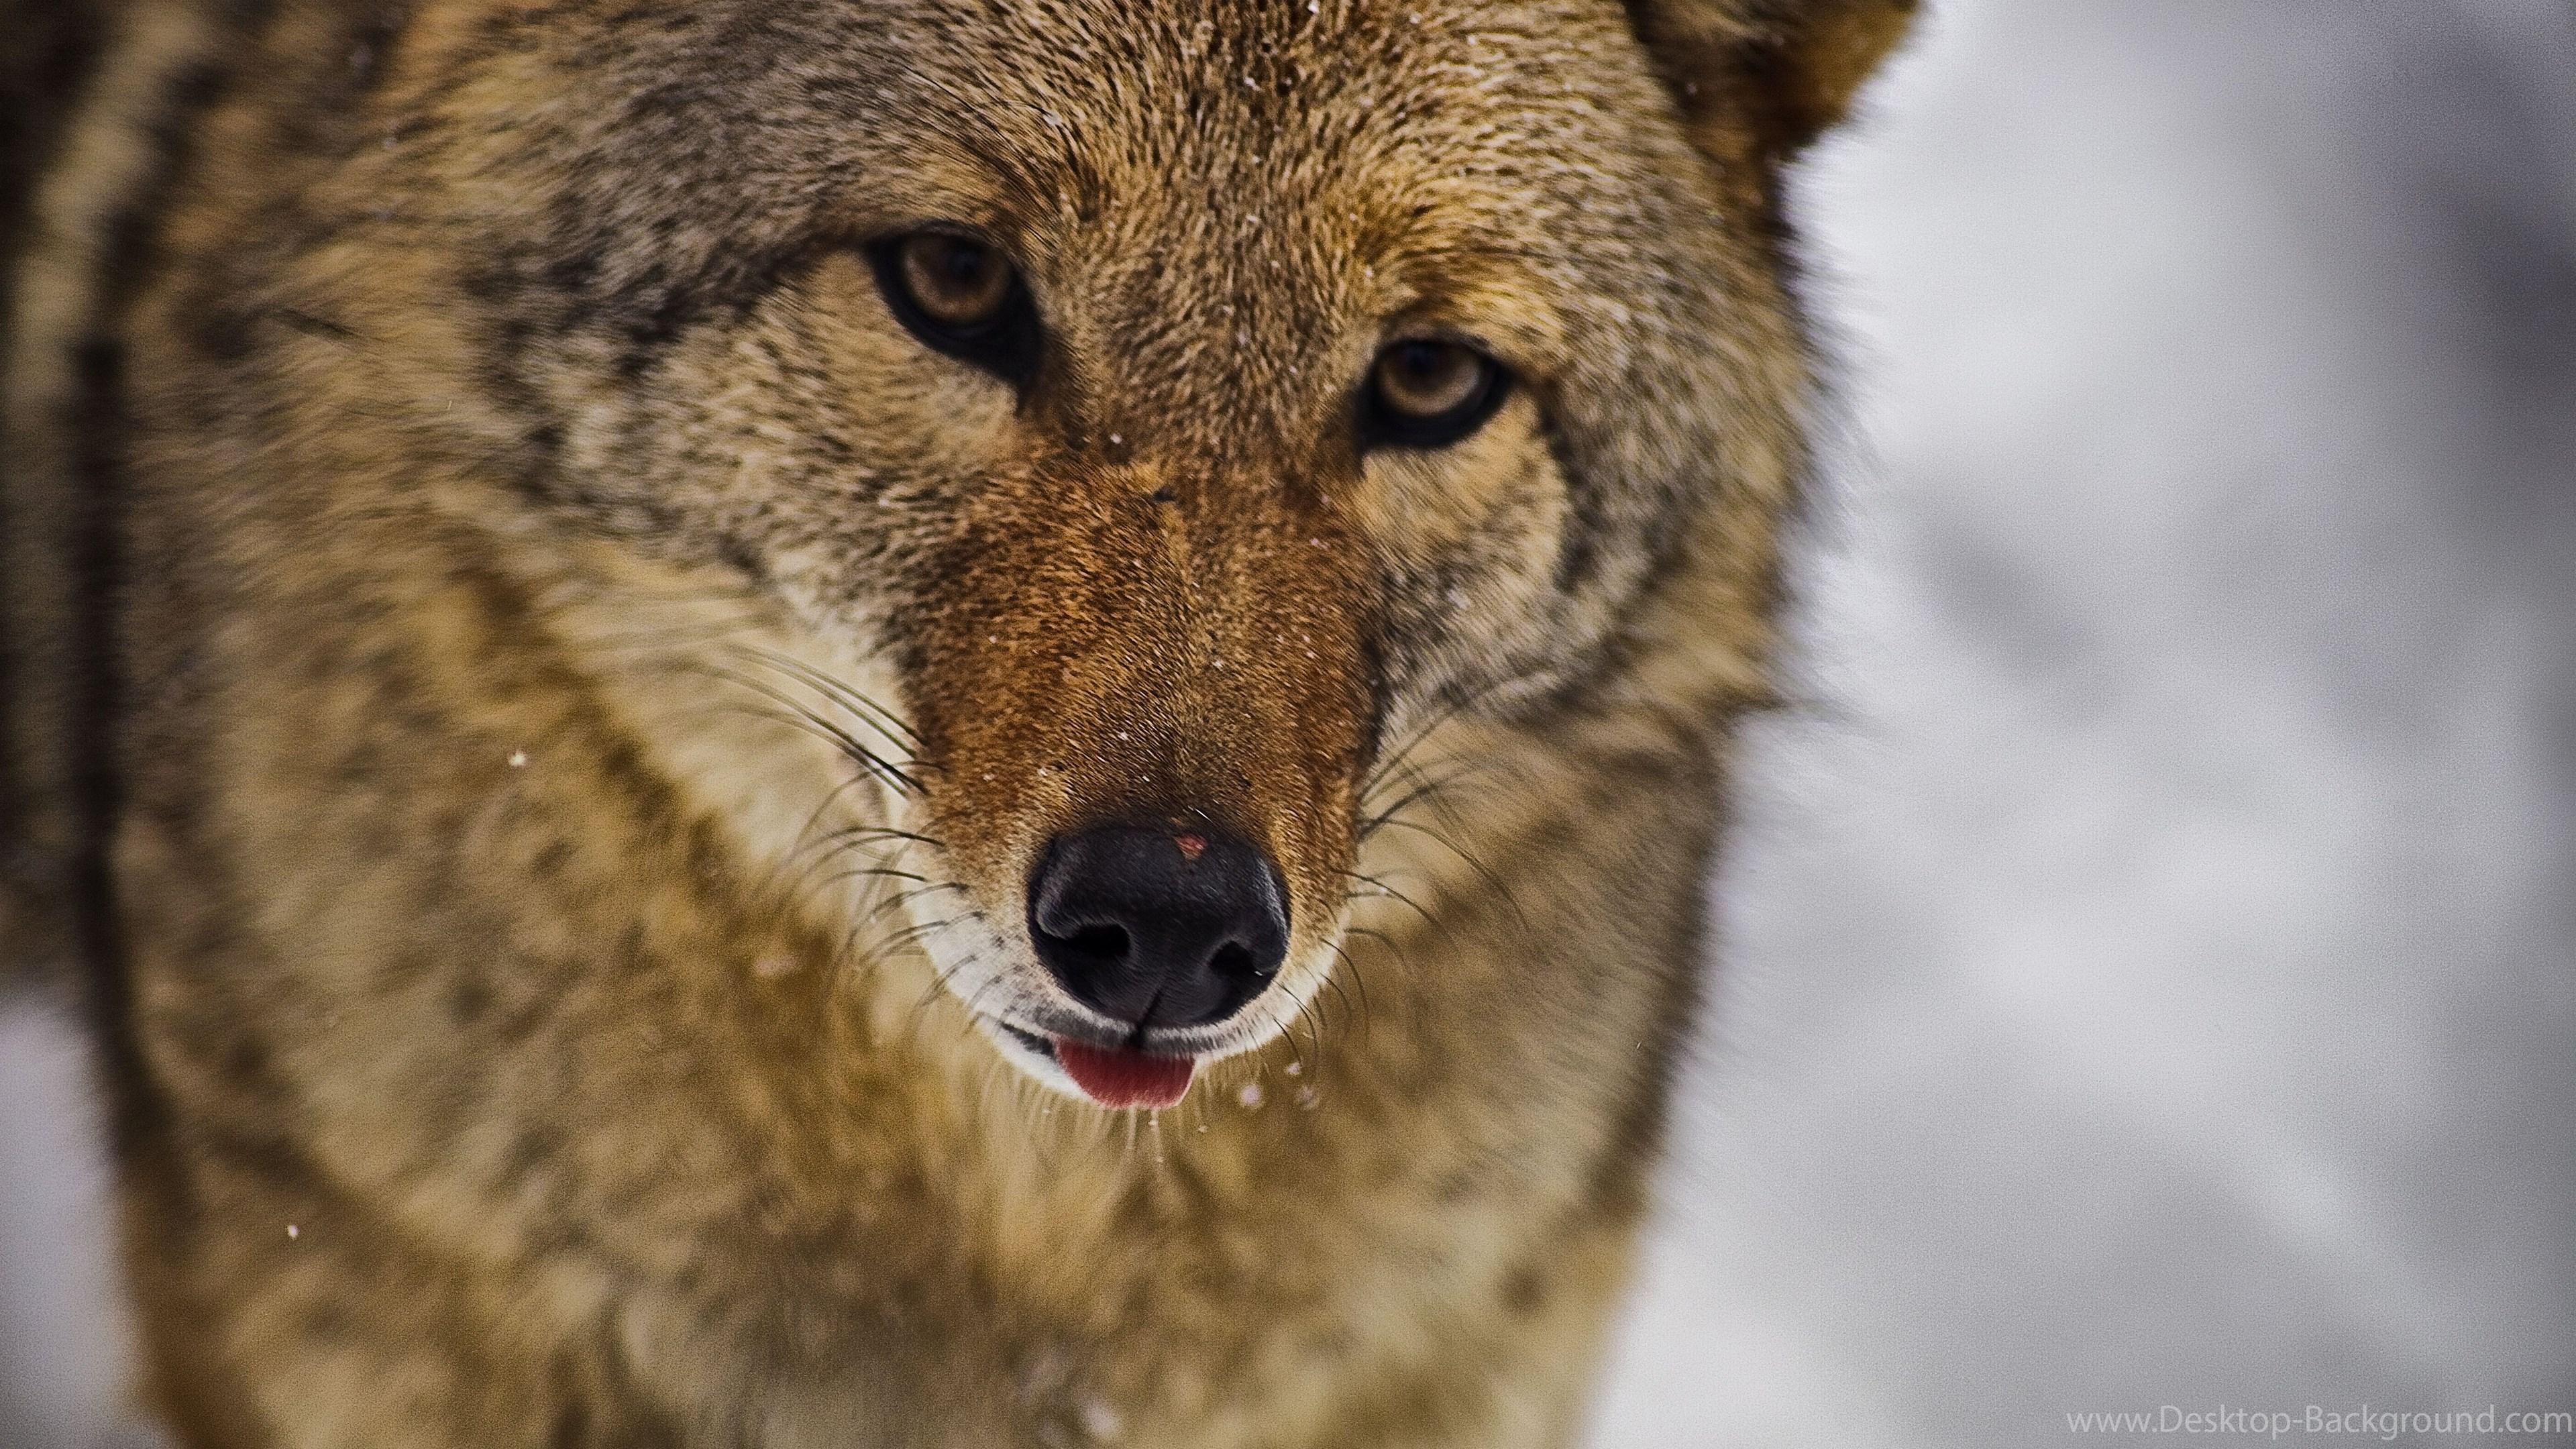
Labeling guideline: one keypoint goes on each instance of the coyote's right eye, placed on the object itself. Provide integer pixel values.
(961, 296)
(1428, 393)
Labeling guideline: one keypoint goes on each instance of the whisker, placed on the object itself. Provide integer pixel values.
(1331, 979)
(885, 872)
(1314, 1030)
(1501, 888)
(828, 843)
(898, 899)
(940, 979)
(1383, 939)
(830, 731)
(886, 948)
(975, 1003)
(1453, 709)
(886, 721)
(1380, 887)
(804, 720)
(869, 834)
(696, 632)
(1428, 789)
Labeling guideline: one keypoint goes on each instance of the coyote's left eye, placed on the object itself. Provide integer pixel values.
(1428, 393)
(961, 296)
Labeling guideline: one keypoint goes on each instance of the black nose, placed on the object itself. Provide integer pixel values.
(1158, 927)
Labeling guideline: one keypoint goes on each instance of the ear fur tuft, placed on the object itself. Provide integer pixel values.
(1756, 80)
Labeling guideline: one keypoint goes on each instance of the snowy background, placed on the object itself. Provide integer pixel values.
(2150, 973)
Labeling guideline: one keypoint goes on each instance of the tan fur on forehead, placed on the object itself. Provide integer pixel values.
(1476, 168)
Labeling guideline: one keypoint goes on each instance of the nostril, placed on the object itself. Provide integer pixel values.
(1102, 944)
(1234, 960)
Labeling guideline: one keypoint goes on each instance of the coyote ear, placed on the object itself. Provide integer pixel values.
(1758, 79)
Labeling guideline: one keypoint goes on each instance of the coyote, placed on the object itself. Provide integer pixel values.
(798, 722)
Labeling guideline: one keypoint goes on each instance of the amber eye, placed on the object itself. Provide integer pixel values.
(955, 282)
(961, 296)
(1427, 393)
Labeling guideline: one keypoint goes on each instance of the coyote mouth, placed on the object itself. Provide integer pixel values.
(1115, 1077)
(1118, 1077)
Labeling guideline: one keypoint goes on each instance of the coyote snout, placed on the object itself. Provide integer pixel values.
(1159, 931)
(1147, 704)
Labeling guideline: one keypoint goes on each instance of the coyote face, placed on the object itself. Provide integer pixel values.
(1205, 449)
(1169, 413)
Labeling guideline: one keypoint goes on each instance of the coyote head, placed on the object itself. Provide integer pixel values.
(1151, 415)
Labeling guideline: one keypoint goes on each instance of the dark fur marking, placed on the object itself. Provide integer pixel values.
(94, 702)
(549, 862)
(312, 326)
(1579, 555)
(530, 1150)
(571, 1427)
(41, 67)
(469, 1000)
(224, 334)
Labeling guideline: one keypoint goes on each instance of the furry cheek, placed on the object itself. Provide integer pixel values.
(1470, 536)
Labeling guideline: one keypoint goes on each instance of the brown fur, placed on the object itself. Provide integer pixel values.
(538, 699)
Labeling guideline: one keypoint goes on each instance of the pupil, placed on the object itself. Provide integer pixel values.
(1429, 377)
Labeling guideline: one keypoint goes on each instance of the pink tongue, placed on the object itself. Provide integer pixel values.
(1118, 1078)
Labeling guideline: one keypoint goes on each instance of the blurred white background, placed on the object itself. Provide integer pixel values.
(2149, 971)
